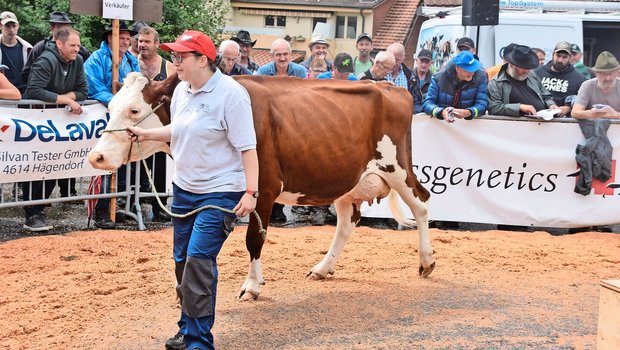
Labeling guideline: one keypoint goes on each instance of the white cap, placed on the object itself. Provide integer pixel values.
(7, 16)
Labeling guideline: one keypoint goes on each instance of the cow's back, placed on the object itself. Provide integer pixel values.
(311, 132)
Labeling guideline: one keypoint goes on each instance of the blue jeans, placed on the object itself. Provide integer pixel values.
(198, 240)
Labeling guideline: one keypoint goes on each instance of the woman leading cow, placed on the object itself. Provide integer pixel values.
(213, 143)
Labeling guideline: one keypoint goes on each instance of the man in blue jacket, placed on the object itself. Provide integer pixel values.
(458, 91)
(98, 68)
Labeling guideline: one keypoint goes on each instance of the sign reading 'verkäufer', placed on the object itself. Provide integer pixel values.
(118, 9)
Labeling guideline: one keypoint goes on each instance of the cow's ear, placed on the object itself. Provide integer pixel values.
(117, 86)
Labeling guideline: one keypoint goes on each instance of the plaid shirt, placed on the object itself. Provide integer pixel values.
(400, 80)
(252, 66)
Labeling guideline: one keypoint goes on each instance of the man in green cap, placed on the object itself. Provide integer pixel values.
(576, 61)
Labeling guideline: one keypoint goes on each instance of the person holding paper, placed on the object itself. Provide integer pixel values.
(517, 90)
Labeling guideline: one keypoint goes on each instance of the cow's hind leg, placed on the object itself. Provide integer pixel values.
(416, 199)
(348, 215)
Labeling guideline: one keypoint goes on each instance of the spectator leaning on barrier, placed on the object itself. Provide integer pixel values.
(342, 68)
(282, 66)
(318, 49)
(461, 86)
(8, 91)
(98, 69)
(58, 20)
(57, 76)
(559, 77)
(229, 53)
(517, 90)
(246, 44)
(420, 79)
(600, 97)
(383, 64)
(13, 50)
(363, 61)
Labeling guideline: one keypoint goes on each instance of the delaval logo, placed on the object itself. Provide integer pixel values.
(25, 131)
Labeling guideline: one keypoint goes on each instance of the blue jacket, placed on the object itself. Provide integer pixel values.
(294, 70)
(98, 68)
(443, 86)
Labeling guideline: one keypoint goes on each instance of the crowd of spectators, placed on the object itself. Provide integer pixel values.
(59, 70)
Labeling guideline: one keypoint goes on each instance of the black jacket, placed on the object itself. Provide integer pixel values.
(38, 49)
(418, 92)
(51, 76)
(560, 84)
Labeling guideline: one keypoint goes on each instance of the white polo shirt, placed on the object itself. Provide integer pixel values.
(210, 129)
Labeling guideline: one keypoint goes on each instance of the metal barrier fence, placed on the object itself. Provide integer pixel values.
(76, 189)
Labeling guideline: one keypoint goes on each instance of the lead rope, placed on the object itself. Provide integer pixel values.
(262, 231)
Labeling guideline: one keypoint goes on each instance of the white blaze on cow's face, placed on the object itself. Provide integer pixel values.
(126, 109)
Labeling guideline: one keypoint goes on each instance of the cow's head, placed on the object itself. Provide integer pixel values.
(135, 100)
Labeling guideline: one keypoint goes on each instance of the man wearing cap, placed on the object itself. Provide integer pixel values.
(318, 49)
(420, 79)
(458, 91)
(343, 68)
(282, 66)
(600, 97)
(466, 44)
(576, 61)
(246, 44)
(559, 77)
(229, 52)
(58, 20)
(362, 61)
(134, 48)
(517, 90)
(383, 64)
(57, 76)
(98, 69)
(13, 50)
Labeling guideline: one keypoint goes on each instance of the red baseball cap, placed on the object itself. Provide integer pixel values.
(192, 40)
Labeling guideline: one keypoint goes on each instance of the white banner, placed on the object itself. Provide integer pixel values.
(37, 144)
(507, 172)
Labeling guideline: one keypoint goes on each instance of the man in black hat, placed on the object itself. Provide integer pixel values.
(57, 21)
(559, 77)
(363, 61)
(420, 79)
(245, 44)
(517, 90)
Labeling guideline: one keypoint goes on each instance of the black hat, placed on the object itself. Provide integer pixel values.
(465, 41)
(425, 54)
(523, 57)
(363, 36)
(137, 26)
(243, 37)
(122, 28)
(506, 49)
(344, 63)
(59, 17)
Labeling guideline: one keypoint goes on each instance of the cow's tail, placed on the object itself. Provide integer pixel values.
(399, 216)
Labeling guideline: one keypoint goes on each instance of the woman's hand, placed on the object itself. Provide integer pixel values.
(246, 205)
(135, 133)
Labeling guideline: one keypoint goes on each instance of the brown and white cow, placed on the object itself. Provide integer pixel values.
(319, 142)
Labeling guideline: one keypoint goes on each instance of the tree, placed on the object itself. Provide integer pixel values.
(178, 15)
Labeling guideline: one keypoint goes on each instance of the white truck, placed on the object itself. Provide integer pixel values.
(594, 26)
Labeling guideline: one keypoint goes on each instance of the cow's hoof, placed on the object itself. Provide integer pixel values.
(247, 295)
(314, 276)
(425, 272)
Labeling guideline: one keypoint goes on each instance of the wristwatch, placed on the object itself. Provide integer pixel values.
(252, 193)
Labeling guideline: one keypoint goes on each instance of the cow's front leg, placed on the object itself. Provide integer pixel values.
(251, 288)
(254, 241)
(348, 215)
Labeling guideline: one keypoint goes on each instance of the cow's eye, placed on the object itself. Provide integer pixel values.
(134, 111)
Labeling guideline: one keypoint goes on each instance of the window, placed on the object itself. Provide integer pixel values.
(346, 27)
(317, 20)
(275, 21)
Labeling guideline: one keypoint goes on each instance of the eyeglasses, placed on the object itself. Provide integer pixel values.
(178, 57)
(384, 66)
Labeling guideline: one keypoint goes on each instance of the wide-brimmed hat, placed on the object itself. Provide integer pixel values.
(523, 57)
(606, 62)
(122, 27)
(318, 39)
(60, 17)
(192, 40)
(467, 61)
(243, 37)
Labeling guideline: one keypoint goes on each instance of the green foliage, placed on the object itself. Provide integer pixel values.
(178, 15)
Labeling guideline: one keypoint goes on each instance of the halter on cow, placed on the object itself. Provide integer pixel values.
(318, 142)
